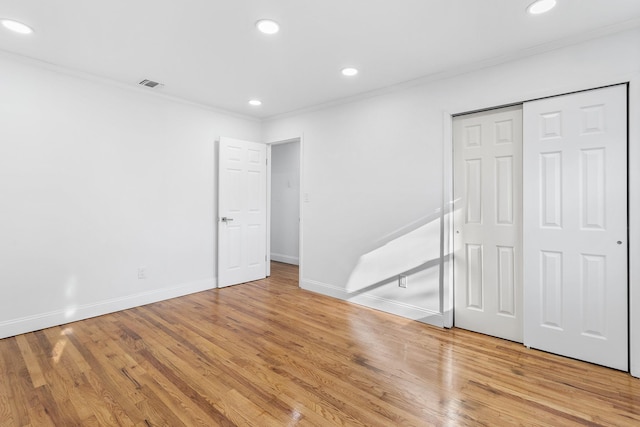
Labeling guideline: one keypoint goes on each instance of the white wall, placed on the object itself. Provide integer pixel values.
(374, 165)
(95, 181)
(285, 202)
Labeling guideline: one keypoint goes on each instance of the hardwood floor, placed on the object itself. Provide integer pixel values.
(270, 354)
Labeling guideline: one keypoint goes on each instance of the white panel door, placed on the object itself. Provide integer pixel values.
(575, 226)
(487, 222)
(242, 211)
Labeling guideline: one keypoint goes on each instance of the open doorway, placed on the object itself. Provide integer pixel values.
(283, 198)
(285, 202)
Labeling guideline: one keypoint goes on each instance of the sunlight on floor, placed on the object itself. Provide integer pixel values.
(58, 349)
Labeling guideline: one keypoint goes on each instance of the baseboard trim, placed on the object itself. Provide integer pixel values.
(36, 322)
(285, 258)
(378, 303)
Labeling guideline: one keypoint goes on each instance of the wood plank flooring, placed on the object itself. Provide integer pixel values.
(270, 354)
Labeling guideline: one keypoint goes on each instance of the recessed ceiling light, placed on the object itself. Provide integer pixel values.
(541, 6)
(255, 102)
(16, 26)
(349, 72)
(268, 26)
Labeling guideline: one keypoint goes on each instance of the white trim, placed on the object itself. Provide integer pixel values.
(268, 241)
(39, 321)
(446, 284)
(132, 87)
(383, 304)
(287, 259)
(466, 69)
(634, 226)
(302, 202)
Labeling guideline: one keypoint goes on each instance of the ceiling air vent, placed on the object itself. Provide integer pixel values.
(150, 83)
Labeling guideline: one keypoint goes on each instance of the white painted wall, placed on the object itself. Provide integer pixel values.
(374, 165)
(95, 181)
(285, 202)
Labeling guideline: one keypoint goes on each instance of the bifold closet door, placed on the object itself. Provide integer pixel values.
(575, 225)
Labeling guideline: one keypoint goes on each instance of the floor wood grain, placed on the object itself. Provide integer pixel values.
(270, 354)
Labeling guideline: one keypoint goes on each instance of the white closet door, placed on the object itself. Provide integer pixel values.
(575, 226)
(487, 220)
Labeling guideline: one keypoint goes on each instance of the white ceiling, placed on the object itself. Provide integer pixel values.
(209, 52)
